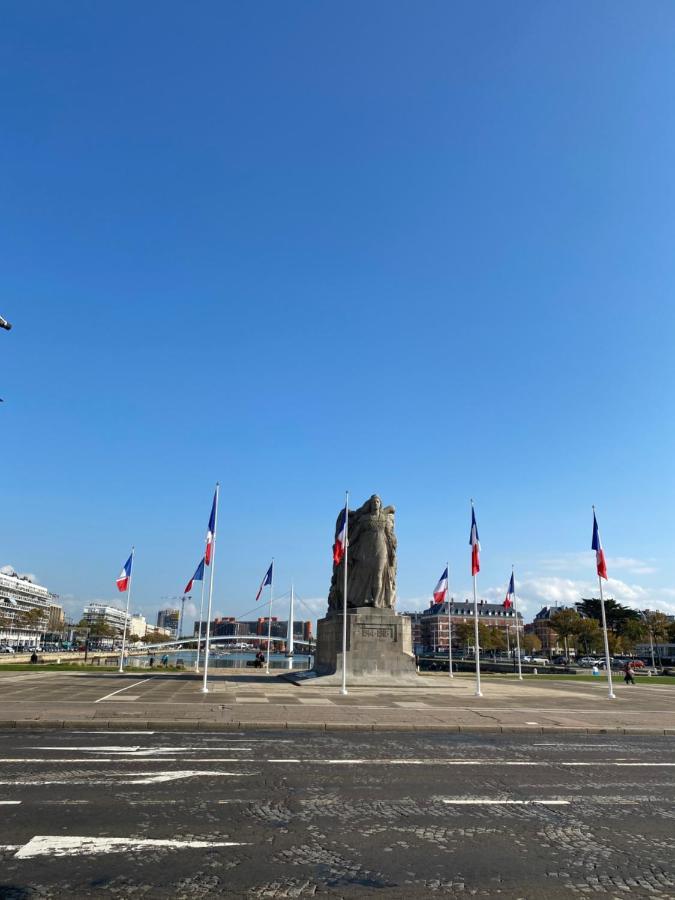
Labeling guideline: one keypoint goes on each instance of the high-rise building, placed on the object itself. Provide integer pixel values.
(168, 618)
(104, 614)
(24, 610)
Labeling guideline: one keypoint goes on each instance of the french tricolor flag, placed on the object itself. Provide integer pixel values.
(198, 576)
(441, 589)
(266, 580)
(125, 575)
(596, 545)
(508, 602)
(340, 544)
(475, 544)
(211, 533)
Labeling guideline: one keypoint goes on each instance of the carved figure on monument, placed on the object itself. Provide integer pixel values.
(371, 570)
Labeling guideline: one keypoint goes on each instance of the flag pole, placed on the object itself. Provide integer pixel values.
(269, 620)
(199, 631)
(290, 648)
(475, 624)
(343, 689)
(515, 609)
(610, 691)
(449, 625)
(207, 644)
(126, 617)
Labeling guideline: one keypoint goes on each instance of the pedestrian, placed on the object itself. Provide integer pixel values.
(629, 672)
(33, 657)
(152, 661)
(165, 660)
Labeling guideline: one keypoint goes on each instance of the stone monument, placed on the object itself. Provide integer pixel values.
(379, 643)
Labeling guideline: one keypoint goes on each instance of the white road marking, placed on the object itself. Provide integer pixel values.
(135, 684)
(9, 802)
(142, 751)
(460, 762)
(127, 778)
(59, 845)
(506, 802)
(252, 699)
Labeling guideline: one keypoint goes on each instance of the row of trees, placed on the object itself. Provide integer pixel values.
(99, 630)
(493, 639)
(581, 629)
(30, 619)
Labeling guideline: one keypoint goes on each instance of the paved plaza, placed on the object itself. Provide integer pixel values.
(282, 814)
(249, 701)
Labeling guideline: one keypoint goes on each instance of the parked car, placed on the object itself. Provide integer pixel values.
(7, 649)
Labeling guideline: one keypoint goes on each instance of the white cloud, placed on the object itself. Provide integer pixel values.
(10, 570)
(585, 560)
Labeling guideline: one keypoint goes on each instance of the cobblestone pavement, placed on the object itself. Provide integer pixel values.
(308, 814)
(254, 700)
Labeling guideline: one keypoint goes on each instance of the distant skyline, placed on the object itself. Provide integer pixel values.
(420, 251)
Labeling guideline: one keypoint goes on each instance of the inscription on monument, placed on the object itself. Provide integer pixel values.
(378, 632)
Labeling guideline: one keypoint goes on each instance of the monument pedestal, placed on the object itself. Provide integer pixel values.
(379, 648)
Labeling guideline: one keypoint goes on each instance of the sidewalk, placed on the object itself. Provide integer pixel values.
(161, 701)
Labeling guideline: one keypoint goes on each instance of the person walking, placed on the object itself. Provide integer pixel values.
(629, 673)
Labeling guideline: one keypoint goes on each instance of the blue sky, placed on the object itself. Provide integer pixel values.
(419, 250)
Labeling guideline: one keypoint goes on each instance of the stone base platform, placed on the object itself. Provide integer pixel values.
(379, 650)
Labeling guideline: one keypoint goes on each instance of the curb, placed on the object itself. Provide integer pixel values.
(202, 725)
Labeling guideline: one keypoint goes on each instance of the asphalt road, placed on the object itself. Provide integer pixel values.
(301, 814)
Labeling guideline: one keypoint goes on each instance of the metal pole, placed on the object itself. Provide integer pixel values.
(207, 645)
(515, 609)
(475, 630)
(182, 613)
(343, 689)
(269, 621)
(651, 639)
(289, 632)
(610, 693)
(199, 630)
(126, 617)
(449, 625)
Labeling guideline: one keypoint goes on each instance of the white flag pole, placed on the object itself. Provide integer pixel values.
(290, 647)
(269, 619)
(126, 617)
(449, 624)
(343, 689)
(610, 691)
(207, 645)
(199, 631)
(515, 609)
(475, 617)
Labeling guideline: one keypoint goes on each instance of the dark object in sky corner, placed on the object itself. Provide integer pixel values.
(5, 324)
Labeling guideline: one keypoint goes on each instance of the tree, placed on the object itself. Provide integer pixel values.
(588, 635)
(659, 624)
(671, 631)
(530, 643)
(615, 613)
(565, 623)
(632, 632)
(494, 640)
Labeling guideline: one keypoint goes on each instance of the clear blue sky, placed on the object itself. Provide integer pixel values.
(424, 250)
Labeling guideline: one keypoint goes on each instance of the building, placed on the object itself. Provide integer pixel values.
(541, 627)
(57, 619)
(415, 630)
(103, 614)
(24, 610)
(434, 622)
(138, 625)
(168, 618)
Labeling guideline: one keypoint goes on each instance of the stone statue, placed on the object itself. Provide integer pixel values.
(371, 561)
